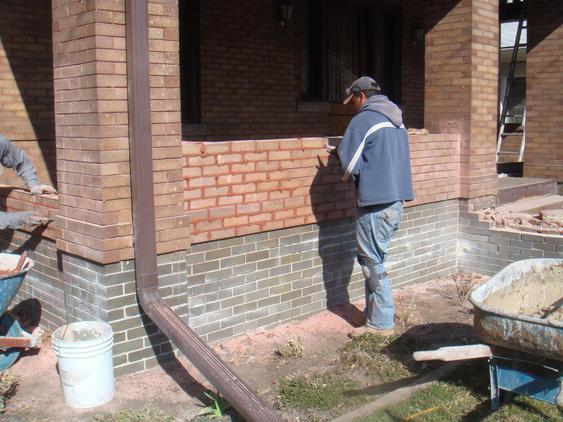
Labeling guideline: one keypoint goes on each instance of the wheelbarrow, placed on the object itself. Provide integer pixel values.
(13, 269)
(524, 348)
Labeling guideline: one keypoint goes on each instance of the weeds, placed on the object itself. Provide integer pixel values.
(464, 284)
(378, 354)
(145, 415)
(293, 349)
(318, 391)
(218, 406)
(7, 389)
(404, 316)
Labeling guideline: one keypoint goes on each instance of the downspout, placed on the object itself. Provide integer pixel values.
(250, 406)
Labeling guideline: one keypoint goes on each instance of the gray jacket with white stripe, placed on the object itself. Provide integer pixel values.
(382, 172)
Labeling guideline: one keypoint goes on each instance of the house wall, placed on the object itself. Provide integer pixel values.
(544, 97)
(461, 75)
(26, 84)
(251, 74)
(91, 109)
(241, 187)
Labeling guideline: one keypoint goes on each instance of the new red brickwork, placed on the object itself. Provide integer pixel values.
(544, 95)
(92, 129)
(461, 71)
(241, 187)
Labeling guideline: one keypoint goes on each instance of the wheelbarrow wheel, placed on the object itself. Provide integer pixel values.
(9, 327)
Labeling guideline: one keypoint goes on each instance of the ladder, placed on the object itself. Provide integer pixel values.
(505, 114)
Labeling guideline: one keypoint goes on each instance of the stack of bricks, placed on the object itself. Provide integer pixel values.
(461, 85)
(92, 129)
(241, 187)
(544, 79)
(26, 84)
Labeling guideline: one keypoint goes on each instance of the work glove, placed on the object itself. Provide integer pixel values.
(16, 220)
(39, 189)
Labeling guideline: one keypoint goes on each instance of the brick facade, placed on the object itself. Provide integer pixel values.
(251, 78)
(461, 73)
(272, 225)
(92, 129)
(243, 187)
(544, 97)
(26, 84)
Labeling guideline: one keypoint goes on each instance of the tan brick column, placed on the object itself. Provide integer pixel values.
(544, 93)
(461, 76)
(92, 129)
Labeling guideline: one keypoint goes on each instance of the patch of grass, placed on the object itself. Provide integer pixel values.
(463, 396)
(8, 387)
(317, 391)
(379, 354)
(144, 415)
(293, 349)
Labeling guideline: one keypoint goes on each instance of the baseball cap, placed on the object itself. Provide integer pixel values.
(365, 83)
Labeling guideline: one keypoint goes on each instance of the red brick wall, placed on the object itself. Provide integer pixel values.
(461, 73)
(92, 129)
(242, 187)
(544, 96)
(250, 73)
(26, 84)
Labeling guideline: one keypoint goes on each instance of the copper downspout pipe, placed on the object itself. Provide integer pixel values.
(241, 397)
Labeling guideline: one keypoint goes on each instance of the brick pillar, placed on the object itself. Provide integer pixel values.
(92, 129)
(461, 76)
(544, 97)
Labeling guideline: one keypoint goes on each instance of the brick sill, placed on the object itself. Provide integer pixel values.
(14, 199)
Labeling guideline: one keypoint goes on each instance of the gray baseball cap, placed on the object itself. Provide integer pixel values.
(365, 83)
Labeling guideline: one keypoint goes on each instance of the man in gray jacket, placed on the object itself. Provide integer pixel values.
(374, 152)
(15, 158)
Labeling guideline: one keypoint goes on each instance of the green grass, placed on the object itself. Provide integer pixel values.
(145, 415)
(463, 396)
(387, 356)
(318, 391)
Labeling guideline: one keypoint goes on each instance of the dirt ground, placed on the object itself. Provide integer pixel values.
(434, 310)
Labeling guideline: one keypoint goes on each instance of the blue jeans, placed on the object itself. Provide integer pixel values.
(375, 226)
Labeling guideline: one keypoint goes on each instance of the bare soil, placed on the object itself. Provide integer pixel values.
(436, 312)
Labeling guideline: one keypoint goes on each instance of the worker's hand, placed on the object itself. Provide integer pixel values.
(33, 219)
(39, 189)
(16, 220)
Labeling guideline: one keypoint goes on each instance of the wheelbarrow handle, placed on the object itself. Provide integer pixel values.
(8, 342)
(447, 354)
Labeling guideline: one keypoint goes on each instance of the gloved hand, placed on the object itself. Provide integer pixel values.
(16, 220)
(39, 189)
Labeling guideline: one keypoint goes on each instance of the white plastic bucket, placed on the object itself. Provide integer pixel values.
(84, 355)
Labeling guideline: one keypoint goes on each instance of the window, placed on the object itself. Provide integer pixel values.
(190, 61)
(343, 41)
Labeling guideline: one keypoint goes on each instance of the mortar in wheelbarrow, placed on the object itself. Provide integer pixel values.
(11, 282)
(520, 308)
